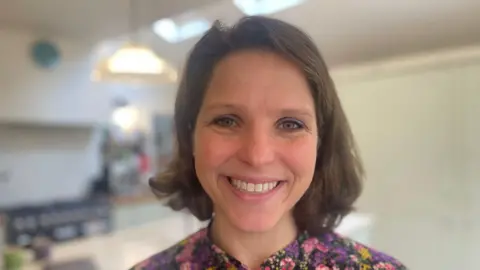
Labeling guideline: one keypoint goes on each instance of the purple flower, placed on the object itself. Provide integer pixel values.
(292, 250)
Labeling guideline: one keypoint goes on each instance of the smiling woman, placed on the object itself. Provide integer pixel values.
(264, 151)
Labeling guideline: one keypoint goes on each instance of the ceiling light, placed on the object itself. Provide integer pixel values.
(265, 7)
(180, 29)
(134, 59)
(134, 63)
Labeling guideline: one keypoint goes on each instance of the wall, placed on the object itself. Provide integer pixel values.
(470, 114)
(52, 150)
(416, 124)
(415, 120)
(44, 164)
(32, 94)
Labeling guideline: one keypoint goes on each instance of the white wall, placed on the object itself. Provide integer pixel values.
(417, 126)
(45, 164)
(62, 95)
(54, 152)
(470, 162)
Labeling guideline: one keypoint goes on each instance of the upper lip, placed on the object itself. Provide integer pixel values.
(254, 179)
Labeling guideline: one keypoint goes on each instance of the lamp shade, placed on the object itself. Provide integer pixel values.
(134, 64)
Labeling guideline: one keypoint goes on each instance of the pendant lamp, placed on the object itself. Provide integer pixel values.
(134, 63)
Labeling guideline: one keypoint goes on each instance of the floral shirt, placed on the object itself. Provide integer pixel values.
(329, 251)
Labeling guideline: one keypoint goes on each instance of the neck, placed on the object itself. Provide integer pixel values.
(252, 248)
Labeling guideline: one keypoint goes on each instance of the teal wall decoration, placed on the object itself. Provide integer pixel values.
(45, 54)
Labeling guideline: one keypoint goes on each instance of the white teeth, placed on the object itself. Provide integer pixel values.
(253, 188)
(242, 185)
(271, 185)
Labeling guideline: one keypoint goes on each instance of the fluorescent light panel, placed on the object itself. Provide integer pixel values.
(265, 7)
(181, 28)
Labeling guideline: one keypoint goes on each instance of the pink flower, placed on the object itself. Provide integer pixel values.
(198, 235)
(321, 247)
(287, 264)
(185, 254)
(384, 266)
(185, 266)
(309, 245)
(188, 246)
(322, 267)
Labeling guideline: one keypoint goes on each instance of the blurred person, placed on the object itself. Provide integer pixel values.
(265, 153)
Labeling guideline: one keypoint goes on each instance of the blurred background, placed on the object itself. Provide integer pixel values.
(86, 99)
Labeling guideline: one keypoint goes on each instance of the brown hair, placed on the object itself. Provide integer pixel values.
(337, 181)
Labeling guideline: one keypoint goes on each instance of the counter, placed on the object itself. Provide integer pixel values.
(124, 248)
(132, 211)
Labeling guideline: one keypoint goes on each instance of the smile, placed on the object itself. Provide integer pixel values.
(253, 187)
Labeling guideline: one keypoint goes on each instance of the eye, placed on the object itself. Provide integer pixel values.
(225, 121)
(291, 124)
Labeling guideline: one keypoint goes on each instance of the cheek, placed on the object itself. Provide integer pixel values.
(301, 157)
(210, 151)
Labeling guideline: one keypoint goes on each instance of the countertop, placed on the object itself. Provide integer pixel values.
(124, 248)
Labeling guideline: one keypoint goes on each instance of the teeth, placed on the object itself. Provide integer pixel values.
(253, 188)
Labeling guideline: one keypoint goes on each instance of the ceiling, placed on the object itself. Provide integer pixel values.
(88, 19)
(347, 31)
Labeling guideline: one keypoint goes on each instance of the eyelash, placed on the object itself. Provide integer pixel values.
(217, 121)
(298, 124)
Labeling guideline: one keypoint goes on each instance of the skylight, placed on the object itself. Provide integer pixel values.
(175, 30)
(265, 7)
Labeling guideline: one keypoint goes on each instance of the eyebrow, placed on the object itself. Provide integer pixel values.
(239, 107)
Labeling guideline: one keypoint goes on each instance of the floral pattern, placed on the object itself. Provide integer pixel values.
(329, 251)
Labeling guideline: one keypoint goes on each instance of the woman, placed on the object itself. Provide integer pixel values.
(265, 153)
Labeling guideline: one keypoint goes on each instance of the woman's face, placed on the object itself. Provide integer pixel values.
(255, 139)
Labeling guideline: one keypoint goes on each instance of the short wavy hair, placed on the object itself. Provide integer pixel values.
(337, 180)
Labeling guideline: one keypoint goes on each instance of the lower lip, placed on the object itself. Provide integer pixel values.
(248, 196)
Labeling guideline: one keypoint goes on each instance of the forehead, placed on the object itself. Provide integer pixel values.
(253, 77)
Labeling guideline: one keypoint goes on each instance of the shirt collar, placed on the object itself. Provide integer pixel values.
(201, 242)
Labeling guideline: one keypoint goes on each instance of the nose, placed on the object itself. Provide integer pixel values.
(257, 147)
